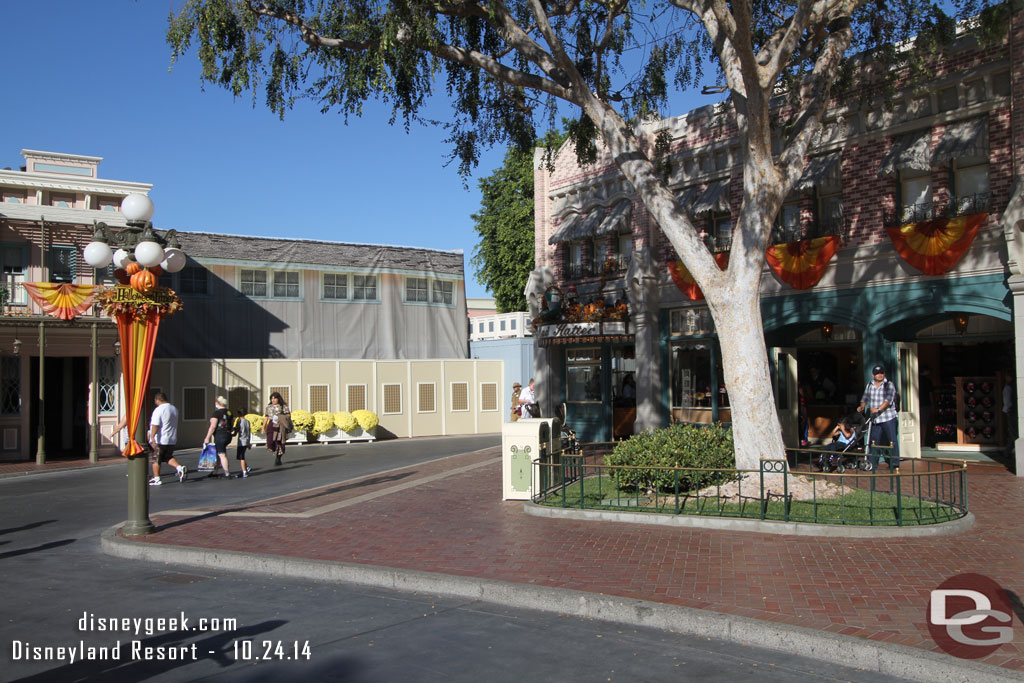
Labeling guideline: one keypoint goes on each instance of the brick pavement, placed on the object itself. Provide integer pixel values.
(447, 516)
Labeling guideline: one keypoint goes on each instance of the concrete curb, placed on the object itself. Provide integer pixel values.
(895, 660)
(755, 525)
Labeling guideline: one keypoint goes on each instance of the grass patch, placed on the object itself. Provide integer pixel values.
(857, 507)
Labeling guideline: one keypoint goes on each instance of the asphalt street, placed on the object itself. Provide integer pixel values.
(59, 590)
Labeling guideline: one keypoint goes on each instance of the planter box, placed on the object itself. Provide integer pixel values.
(297, 437)
(334, 434)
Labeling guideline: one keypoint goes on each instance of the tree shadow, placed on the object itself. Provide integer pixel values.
(26, 527)
(39, 548)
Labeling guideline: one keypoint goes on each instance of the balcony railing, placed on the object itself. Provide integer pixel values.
(828, 225)
(927, 211)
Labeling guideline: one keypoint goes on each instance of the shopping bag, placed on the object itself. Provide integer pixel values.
(208, 459)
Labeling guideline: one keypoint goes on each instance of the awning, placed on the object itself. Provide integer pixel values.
(965, 139)
(909, 152)
(714, 198)
(617, 220)
(823, 171)
(686, 199)
(577, 227)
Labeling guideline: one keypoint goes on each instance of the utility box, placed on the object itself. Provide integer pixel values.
(533, 439)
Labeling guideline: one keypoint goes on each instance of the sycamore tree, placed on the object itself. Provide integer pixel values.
(505, 64)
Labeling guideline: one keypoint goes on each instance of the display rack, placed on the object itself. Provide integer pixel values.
(978, 414)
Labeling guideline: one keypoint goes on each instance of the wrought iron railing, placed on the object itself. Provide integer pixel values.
(927, 211)
(915, 493)
(833, 223)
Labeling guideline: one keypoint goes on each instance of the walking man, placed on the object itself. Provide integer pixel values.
(163, 435)
(880, 398)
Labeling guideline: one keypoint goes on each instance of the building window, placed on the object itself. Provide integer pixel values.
(501, 324)
(364, 287)
(480, 328)
(335, 286)
(444, 292)
(970, 186)
(165, 279)
(14, 272)
(64, 201)
(721, 232)
(193, 403)
(193, 280)
(416, 289)
(356, 397)
(425, 397)
(787, 225)
(108, 203)
(286, 284)
(14, 196)
(512, 323)
(690, 378)
(915, 196)
(286, 394)
(253, 282)
(583, 375)
(625, 249)
(830, 213)
(574, 261)
(62, 264)
(392, 399)
(10, 385)
(107, 384)
(490, 326)
(460, 397)
(598, 255)
(319, 398)
(488, 397)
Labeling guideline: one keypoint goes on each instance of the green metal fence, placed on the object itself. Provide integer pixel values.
(915, 493)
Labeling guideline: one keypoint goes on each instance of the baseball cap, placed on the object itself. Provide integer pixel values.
(877, 369)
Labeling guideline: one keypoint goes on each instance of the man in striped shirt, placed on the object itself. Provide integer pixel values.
(880, 397)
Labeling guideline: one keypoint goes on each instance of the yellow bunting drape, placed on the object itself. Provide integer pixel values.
(801, 264)
(138, 339)
(933, 247)
(64, 301)
(684, 280)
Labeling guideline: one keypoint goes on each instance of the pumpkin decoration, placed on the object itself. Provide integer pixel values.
(143, 281)
(132, 268)
(122, 276)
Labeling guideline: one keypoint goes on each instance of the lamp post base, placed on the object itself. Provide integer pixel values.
(138, 523)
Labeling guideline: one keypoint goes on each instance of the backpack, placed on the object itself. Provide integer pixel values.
(896, 397)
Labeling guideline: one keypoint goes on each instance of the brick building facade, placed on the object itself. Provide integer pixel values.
(926, 156)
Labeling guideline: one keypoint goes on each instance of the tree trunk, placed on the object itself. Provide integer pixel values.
(755, 420)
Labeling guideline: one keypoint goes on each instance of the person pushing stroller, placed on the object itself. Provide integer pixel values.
(845, 436)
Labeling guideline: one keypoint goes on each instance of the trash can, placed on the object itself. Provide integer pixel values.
(530, 440)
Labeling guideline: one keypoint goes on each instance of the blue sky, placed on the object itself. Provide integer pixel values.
(88, 77)
(94, 78)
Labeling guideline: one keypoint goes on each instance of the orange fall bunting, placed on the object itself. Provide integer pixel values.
(684, 280)
(935, 246)
(138, 339)
(801, 264)
(64, 301)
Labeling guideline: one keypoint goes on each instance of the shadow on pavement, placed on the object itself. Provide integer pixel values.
(39, 548)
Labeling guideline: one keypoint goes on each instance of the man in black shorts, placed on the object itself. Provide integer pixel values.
(163, 435)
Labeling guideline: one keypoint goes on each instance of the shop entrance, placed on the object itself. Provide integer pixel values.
(67, 414)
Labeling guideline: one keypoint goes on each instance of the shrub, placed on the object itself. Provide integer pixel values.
(256, 422)
(366, 419)
(323, 421)
(676, 446)
(302, 420)
(345, 422)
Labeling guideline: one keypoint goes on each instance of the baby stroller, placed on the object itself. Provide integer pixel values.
(570, 444)
(853, 454)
